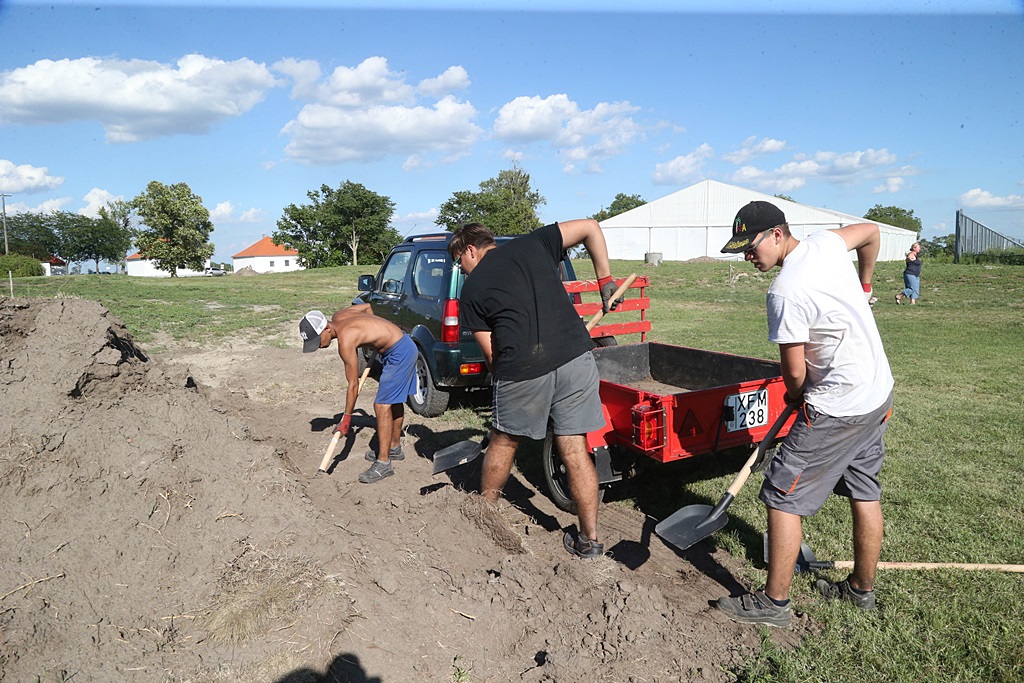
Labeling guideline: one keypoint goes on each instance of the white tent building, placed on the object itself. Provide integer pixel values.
(697, 221)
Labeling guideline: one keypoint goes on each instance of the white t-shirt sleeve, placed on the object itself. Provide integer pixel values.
(787, 321)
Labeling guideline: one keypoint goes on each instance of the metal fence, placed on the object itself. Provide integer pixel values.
(974, 238)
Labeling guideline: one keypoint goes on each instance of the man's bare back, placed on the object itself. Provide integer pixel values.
(357, 326)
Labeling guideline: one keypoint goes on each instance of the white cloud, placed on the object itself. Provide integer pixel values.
(324, 134)
(26, 179)
(224, 213)
(983, 198)
(454, 78)
(835, 167)
(891, 185)
(416, 223)
(95, 199)
(137, 99)
(368, 112)
(752, 148)
(582, 138)
(304, 74)
(684, 168)
(43, 207)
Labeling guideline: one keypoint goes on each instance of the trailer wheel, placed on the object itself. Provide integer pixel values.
(556, 478)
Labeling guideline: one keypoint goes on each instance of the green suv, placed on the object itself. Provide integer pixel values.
(418, 289)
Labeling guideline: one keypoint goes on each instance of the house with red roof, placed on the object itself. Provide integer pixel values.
(267, 257)
(54, 266)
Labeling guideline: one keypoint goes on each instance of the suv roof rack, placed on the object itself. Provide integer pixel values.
(436, 236)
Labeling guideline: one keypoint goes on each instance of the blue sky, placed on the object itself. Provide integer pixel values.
(253, 104)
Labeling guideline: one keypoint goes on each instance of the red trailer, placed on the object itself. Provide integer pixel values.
(668, 402)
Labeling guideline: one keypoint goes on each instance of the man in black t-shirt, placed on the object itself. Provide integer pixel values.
(538, 351)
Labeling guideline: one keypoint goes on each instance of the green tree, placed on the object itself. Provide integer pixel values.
(621, 204)
(90, 239)
(122, 230)
(507, 205)
(32, 234)
(940, 246)
(339, 226)
(894, 215)
(176, 228)
(784, 196)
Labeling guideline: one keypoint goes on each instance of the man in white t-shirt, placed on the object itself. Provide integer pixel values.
(833, 362)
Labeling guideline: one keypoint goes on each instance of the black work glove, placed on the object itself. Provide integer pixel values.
(608, 288)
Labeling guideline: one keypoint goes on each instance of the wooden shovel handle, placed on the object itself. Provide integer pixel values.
(329, 455)
(766, 442)
(618, 293)
(1015, 568)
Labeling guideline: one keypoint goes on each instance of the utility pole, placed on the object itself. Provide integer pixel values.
(3, 201)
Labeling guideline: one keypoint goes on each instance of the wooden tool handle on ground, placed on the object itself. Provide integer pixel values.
(1015, 568)
(326, 462)
(618, 293)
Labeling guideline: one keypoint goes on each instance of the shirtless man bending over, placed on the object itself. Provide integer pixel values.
(357, 327)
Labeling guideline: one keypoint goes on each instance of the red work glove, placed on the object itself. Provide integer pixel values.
(345, 425)
(608, 287)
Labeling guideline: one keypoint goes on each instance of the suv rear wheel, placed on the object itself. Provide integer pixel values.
(428, 401)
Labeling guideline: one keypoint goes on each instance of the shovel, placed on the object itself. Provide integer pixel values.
(467, 451)
(692, 523)
(329, 455)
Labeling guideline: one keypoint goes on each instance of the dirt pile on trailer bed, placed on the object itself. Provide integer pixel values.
(162, 520)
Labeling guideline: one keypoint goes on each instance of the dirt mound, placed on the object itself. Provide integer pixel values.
(163, 520)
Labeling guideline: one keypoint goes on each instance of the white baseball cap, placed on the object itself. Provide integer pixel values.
(310, 327)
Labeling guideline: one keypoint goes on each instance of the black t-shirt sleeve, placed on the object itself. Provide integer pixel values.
(550, 236)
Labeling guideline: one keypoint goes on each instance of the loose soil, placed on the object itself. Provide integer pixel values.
(163, 519)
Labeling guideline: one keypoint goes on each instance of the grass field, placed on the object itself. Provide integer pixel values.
(953, 483)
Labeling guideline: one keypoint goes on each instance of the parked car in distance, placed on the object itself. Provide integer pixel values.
(418, 288)
(214, 271)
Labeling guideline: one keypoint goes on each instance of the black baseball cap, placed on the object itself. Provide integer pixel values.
(310, 327)
(751, 221)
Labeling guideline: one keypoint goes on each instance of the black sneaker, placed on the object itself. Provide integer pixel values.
(587, 548)
(393, 454)
(865, 600)
(755, 608)
(377, 471)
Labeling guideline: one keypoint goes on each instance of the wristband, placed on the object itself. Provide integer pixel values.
(602, 281)
(866, 286)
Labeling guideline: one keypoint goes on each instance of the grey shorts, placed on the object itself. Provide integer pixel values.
(824, 455)
(567, 399)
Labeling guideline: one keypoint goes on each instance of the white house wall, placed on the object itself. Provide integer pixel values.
(261, 264)
(145, 268)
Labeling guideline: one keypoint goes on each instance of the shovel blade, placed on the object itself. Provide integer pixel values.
(455, 455)
(690, 524)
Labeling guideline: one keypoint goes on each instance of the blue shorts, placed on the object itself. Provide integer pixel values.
(398, 372)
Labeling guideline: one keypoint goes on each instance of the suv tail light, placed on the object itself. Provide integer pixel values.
(450, 330)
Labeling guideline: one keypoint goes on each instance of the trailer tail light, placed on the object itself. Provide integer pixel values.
(450, 330)
(471, 368)
(648, 427)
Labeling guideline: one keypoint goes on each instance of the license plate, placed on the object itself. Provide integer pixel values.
(750, 409)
